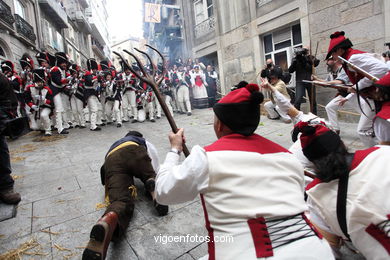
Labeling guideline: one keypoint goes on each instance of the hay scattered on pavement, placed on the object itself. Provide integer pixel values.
(52, 138)
(50, 232)
(22, 149)
(24, 249)
(69, 256)
(61, 248)
(15, 159)
(15, 177)
(64, 201)
(25, 149)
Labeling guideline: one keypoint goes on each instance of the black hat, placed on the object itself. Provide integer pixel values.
(240, 109)
(26, 60)
(105, 65)
(39, 75)
(92, 64)
(61, 57)
(7, 66)
(41, 57)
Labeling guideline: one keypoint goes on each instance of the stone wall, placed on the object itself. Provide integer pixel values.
(362, 21)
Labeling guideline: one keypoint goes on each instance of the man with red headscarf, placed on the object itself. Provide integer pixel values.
(251, 188)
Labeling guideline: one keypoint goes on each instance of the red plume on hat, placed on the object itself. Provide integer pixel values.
(337, 40)
(316, 139)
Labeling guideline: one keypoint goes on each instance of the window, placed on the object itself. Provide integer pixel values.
(19, 9)
(278, 45)
(210, 9)
(203, 10)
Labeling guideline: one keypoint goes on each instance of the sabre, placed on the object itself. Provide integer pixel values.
(359, 70)
(150, 78)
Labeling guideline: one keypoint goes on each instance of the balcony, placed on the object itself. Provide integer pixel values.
(55, 11)
(81, 20)
(6, 18)
(25, 29)
(97, 48)
(205, 27)
(96, 32)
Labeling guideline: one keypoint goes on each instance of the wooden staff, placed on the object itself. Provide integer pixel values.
(151, 80)
(313, 90)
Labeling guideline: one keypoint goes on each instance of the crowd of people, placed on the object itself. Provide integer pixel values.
(59, 95)
(251, 188)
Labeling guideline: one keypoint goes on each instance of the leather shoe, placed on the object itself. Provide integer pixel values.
(162, 210)
(64, 132)
(9, 196)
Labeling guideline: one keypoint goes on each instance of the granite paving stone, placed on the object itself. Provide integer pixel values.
(151, 241)
(17, 227)
(42, 250)
(60, 186)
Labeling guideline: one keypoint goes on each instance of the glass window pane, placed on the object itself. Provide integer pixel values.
(19, 9)
(209, 2)
(282, 45)
(297, 37)
(281, 60)
(282, 35)
(210, 11)
(268, 43)
(268, 56)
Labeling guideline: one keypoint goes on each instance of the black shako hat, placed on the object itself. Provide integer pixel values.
(240, 109)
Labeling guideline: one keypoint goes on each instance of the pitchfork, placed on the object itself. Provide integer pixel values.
(151, 80)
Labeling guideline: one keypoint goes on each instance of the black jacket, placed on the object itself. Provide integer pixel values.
(303, 67)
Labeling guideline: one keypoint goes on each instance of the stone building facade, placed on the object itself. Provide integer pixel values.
(19, 28)
(238, 35)
(167, 35)
(125, 44)
(71, 26)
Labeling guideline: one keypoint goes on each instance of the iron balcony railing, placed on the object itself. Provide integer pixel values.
(205, 27)
(6, 14)
(24, 28)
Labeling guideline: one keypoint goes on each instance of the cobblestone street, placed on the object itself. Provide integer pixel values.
(59, 181)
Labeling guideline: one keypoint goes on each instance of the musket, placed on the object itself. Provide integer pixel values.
(363, 73)
(328, 85)
(151, 80)
(359, 70)
(38, 112)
